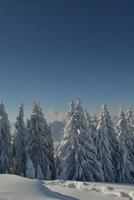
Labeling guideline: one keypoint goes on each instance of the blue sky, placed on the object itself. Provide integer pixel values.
(52, 51)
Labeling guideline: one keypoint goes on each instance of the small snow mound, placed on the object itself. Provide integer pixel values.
(121, 191)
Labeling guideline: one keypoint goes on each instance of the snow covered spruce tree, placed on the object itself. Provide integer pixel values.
(40, 145)
(77, 152)
(125, 164)
(95, 122)
(130, 125)
(20, 144)
(90, 124)
(130, 118)
(105, 140)
(5, 142)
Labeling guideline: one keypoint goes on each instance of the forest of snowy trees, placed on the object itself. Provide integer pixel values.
(91, 149)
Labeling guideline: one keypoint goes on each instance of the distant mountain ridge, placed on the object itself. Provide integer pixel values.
(57, 128)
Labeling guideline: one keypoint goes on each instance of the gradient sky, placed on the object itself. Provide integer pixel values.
(54, 50)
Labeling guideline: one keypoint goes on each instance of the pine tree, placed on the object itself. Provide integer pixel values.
(95, 122)
(40, 144)
(105, 133)
(130, 125)
(71, 110)
(5, 142)
(27, 134)
(94, 127)
(90, 125)
(130, 116)
(20, 144)
(77, 152)
(13, 155)
(125, 164)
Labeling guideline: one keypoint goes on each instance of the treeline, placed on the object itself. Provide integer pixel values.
(92, 149)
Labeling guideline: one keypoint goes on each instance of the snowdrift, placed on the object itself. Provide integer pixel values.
(18, 188)
(93, 191)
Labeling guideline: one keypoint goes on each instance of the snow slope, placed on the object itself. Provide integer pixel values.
(18, 188)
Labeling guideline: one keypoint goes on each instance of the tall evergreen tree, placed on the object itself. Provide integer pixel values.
(125, 164)
(20, 143)
(112, 137)
(130, 116)
(95, 122)
(77, 152)
(130, 125)
(71, 110)
(5, 142)
(105, 134)
(27, 133)
(94, 127)
(40, 144)
(90, 125)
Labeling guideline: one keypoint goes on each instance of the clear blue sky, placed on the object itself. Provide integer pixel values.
(54, 50)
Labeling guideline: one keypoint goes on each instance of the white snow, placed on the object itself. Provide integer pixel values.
(13, 187)
(92, 191)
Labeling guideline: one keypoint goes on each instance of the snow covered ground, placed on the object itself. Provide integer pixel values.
(17, 188)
